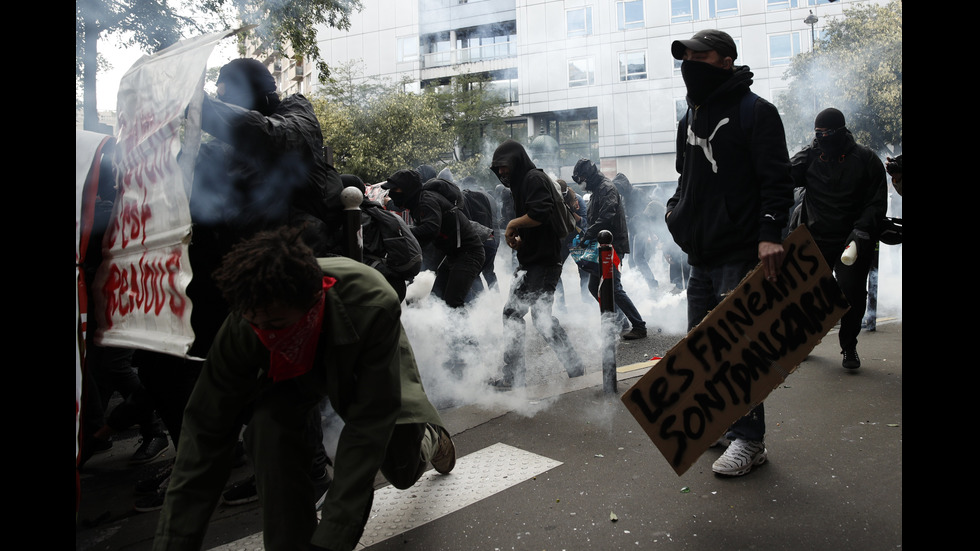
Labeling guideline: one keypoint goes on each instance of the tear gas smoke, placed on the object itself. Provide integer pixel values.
(429, 324)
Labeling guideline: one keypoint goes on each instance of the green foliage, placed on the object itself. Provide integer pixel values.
(152, 25)
(471, 113)
(293, 23)
(856, 68)
(375, 128)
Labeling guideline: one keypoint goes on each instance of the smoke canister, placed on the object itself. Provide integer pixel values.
(850, 254)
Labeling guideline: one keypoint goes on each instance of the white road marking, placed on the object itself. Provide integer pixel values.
(476, 476)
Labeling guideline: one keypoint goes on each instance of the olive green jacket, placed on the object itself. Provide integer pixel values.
(364, 364)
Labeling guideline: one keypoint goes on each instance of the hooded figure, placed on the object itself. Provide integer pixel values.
(607, 208)
(539, 256)
(441, 223)
(844, 202)
(538, 242)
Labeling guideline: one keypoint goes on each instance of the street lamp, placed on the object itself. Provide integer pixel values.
(812, 20)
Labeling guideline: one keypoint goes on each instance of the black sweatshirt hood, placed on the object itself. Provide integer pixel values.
(512, 154)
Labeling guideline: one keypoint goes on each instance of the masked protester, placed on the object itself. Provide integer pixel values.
(844, 200)
(539, 258)
(263, 169)
(732, 201)
(607, 211)
(303, 329)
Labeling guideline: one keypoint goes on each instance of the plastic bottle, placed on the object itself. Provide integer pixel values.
(850, 254)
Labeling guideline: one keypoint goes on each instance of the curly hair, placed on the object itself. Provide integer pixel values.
(272, 267)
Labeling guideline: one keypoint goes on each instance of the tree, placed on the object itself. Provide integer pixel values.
(152, 25)
(375, 128)
(857, 68)
(471, 109)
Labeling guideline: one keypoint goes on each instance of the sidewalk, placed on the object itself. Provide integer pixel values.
(576, 472)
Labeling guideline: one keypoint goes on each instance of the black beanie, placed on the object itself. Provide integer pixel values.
(829, 118)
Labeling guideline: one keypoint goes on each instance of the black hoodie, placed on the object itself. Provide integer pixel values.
(735, 188)
(540, 244)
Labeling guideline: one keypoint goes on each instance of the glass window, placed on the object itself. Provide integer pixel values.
(633, 65)
(629, 14)
(408, 48)
(680, 109)
(722, 8)
(782, 48)
(684, 10)
(578, 22)
(581, 72)
(772, 5)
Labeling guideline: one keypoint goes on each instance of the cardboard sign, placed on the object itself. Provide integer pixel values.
(738, 354)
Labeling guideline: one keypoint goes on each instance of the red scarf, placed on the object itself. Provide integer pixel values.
(291, 350)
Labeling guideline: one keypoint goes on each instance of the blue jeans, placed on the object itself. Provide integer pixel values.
(620, 297)
(706, 289)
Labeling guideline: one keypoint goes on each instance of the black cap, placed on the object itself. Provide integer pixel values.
(702, 41)
(404, 179)
(830, 119)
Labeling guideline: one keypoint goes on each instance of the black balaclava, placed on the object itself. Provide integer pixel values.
(832, 120)
(249, 84)
(410, 183)
(702, 79)
(587, 174)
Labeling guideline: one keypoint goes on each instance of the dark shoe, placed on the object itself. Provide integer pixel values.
(444, 458)
(241, 493)
(150, 449)
(851, 359)
(635, 333)
(152, 502)
(157, 480)
(501, 384)
(577, 372)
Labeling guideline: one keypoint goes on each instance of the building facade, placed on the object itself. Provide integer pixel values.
(595, 77)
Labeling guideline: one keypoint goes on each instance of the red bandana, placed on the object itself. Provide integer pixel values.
(291, 350)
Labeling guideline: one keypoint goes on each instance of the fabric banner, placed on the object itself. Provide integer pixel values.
(140, 289)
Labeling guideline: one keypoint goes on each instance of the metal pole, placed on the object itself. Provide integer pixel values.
(871, 315)
(607, 308)
(352, 197)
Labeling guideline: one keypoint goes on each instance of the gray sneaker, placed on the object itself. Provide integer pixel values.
(740, 457)
(444, 458)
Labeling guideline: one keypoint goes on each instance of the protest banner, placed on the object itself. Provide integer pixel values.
(140, 288)
(738, 354)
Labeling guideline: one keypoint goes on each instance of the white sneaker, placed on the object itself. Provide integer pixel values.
(740, 457)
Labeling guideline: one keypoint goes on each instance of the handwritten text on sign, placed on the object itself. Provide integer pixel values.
(738, 354)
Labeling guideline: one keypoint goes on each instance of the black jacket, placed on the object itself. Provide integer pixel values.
(540, 245)
(842, 194)
(607, 211)
(442, 224)
(735, 188)
(260, 172)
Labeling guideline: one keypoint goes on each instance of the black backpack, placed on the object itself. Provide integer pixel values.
(389, 243)
(562, 219)
(454, 195)
(479, 207)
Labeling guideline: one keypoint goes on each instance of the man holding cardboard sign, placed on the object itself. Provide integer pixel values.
(732, 198)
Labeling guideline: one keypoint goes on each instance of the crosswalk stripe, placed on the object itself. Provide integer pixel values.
(476, 476)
